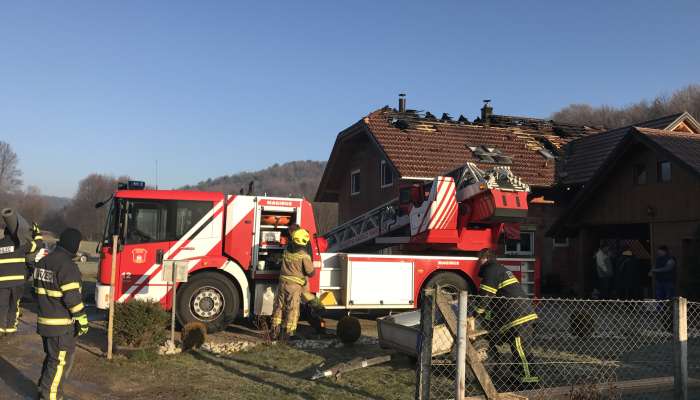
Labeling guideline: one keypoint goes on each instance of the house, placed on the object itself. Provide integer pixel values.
(372, 158)
(389, 147)
(642, 193)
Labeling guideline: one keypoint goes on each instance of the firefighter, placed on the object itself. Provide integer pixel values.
(296, 266)
(36, 251)
(61, 316)
(508, 320)
(13, 272)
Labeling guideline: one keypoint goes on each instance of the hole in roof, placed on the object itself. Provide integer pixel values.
(490, 155)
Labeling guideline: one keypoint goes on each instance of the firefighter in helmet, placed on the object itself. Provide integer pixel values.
(296, 267)
(61, 316)
(507, 314)
(14, 246)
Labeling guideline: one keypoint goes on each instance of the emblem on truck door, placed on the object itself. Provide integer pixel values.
(139, 255)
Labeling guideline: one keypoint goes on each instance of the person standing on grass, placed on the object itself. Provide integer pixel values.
(296, 267)
(14, 247)
(508, 316)
(630, 282)
(664, 274)
(61, 314)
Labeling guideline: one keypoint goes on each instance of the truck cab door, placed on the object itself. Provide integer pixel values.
(146, 240)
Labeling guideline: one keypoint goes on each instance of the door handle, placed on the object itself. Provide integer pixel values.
(159, 256)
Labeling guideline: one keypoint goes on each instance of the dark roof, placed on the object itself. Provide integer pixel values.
(661, 123)
(684, 147)
(681, 147)
(585, 155)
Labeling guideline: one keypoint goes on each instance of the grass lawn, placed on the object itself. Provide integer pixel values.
(265, 372)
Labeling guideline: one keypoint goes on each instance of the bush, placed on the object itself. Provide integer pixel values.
(140, 324)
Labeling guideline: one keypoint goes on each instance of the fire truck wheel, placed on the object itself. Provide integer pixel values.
(210, 299)
(449, 281)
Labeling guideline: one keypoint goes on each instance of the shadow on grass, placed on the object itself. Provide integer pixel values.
(301, 375)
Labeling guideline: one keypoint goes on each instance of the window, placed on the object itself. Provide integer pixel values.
(386, 176)
(147, 221)
(640, 174)
(560, 242)
(188, 213)
(490, 155)
(523, 247)
(663, 171)
(355, 182)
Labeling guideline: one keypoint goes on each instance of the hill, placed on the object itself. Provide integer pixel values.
(294, 178)
(291, 179)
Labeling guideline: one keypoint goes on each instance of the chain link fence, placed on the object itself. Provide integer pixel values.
(558, 348)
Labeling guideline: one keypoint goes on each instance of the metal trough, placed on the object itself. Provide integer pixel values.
(401, 331)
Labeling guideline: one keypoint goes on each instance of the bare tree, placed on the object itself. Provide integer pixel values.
(10, 174)
(32, 204)
(686, 99)
(81, 212)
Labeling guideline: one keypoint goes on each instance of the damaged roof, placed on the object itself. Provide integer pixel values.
(419, 145)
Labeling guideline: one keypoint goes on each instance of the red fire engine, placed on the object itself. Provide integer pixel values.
(232, 245)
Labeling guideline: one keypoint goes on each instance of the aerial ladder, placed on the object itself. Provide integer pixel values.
(465, 210)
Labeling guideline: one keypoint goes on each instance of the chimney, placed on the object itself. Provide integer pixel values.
(486, 112)
(402, 102)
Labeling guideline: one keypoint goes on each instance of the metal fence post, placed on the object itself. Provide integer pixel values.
(460, 382)
(425, 345)
(680, 348)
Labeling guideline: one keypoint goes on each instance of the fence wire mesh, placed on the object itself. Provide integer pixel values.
(694, 345)
(578, 349)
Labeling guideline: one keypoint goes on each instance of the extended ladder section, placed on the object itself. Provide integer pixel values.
(433, 213)
(380, 221)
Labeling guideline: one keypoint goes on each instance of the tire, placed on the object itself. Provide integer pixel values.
(451, 281)
(208, 298)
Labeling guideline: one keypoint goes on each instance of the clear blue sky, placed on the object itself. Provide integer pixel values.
(212, 88)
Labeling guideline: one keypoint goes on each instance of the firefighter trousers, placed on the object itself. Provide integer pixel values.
(58, 362)
(9, 308)
(286, 307)
(517, 338)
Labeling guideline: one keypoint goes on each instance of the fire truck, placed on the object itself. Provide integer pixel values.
(232, 246)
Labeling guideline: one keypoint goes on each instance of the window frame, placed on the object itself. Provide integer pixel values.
(384, 168)
(354, 173)
(636, 169)
(162, 206)
(659, 171)
(519, 251)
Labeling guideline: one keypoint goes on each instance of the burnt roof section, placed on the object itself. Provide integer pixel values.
(585, 155)
(681, 147)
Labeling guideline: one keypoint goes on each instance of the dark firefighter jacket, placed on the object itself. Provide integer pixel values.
(500, 309)
(57, 284)
(13, 270)
(34, 249)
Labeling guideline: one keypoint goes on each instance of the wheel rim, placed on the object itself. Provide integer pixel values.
(207, 303)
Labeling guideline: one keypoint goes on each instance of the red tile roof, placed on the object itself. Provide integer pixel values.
(426, 148)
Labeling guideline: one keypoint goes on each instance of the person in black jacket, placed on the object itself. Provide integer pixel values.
(13, 272)
(57, 284)
(506, 312)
